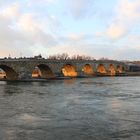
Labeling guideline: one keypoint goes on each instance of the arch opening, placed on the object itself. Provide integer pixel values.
(68, 70)
(101, 69)
(42, 71)
(112, 70)
(87, 69)
(36, 73)
(7, 73)
(2, 74)
(120, 69)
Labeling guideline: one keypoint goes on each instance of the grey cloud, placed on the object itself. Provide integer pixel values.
(128, 53)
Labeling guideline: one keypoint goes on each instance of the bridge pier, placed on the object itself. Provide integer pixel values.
(24, 75)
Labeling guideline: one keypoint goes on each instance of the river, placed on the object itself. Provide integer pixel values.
(99, 108)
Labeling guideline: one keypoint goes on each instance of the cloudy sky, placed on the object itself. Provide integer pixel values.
(99, 28)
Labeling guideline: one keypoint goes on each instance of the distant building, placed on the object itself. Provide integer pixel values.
(38, 56)
(133, 67)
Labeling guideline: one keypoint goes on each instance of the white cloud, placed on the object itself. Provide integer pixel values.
(11, 11)
(51, 23)
(75, 37)
(34, 32)
(134, 38)
(26, 23)
(116, 31)
(11, 41)
(98, 34)
(128, 10)
(127, 14)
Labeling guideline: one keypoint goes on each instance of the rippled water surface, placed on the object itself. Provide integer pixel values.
(101, 108)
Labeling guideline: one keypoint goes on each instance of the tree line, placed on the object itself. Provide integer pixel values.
(63, 56)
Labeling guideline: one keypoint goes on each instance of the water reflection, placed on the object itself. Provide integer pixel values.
(69, 82)
(8, 88)
(115, 105)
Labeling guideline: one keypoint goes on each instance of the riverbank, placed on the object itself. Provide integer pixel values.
(132, 73)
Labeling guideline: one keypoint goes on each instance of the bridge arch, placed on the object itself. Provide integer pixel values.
(87, 69)
(2, 74)
(120, 69)
(10, 73)
(112, 70)
(101, 69)
(69, 70)
(42, 71)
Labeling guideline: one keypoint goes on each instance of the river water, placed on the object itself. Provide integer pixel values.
(100, 108)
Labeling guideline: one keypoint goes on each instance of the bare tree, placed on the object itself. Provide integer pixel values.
(82, 57)
(65, 56)
(103, 58)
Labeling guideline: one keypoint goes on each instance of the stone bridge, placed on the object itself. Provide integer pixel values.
(16, 69)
